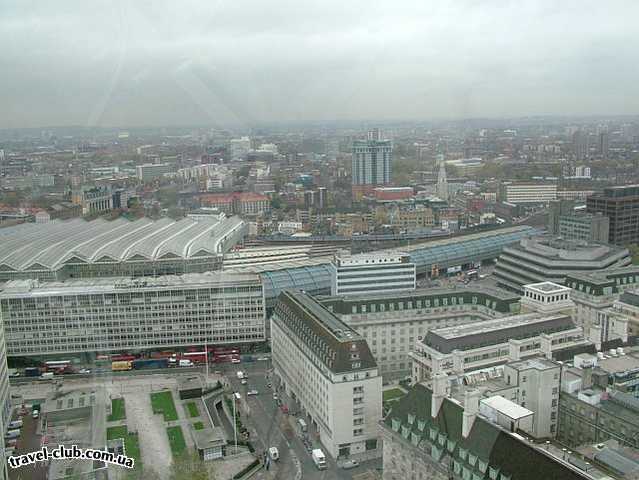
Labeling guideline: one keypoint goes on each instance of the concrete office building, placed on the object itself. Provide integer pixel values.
(622, 318)
(93, 200)
(459, 349)
(392, 323)
(549, 258)
(329, 371)
(621, 206)
(595, 404)
(517, 193)
(124, 314)
(151, 171)
(584, 227)
(371, 272)
(5, 397)
(240, 148)
(371, 163)
(596, 292)
(429, 435)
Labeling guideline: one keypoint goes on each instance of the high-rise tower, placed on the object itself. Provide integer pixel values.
(442, 182)
(371, 164)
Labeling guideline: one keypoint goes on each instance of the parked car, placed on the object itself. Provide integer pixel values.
(269, 385)
(275, 397)
(244, 382)
(348, 464)
(252, 392)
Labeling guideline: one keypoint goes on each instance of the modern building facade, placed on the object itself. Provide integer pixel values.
(595, 293)
(621, 206)
(596, 404)
(517, 193)
(240, 148)
(392, 323)
(124, 314)
(152, 171)
(371, 163)
(550, 258)
(371, 272)
(329, 371)
(584, 227)
(459, 349)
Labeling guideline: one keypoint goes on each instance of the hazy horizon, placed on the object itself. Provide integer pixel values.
(153, 64)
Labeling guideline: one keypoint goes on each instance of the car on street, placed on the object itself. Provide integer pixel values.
(85, 371)
(252, 392)
(236, 360)
(244, 381)
(269, 385)
(275, 397)
(348, 464)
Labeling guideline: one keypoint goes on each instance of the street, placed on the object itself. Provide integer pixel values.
(275, 428)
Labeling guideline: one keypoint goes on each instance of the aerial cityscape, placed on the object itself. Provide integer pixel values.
(273, 241)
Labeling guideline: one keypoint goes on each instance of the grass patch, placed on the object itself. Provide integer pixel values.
(193, 410)
(392, 394)
(198, 426)
(118, 411)
(176, 440)
(131, 442)
(162, 402)
(116, 432)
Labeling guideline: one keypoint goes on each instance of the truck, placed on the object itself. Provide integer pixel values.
(319, 459)
(47, 376)
(121, 366)
(148, 363)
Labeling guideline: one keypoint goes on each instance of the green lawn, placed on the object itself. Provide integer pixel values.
(117, 410)
(176, 440)
(116, 432)
(162, 402)
(193, 410)
(131, 443)
(392, 394)
(198, 426)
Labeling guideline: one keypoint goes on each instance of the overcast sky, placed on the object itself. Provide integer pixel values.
(225, 62)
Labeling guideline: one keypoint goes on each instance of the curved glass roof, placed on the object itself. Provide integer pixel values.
(316, 279)
(47, 246)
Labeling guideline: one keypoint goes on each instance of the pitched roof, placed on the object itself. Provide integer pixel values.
(511, 454)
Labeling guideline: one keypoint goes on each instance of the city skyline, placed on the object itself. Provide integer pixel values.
(122, 64)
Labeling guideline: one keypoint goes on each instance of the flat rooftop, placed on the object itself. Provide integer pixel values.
(547, 287)
(15, 288)
(495, 331)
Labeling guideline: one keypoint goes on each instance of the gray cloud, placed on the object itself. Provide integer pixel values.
(240, 62)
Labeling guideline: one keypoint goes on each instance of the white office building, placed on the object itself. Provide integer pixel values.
(123, 314)
(528, 192)
(151, 171)
(372, 272)
(465, 348)
(240, 147)
(328, 371)
(392, 323)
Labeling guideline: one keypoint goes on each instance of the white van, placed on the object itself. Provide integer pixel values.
(274, 453)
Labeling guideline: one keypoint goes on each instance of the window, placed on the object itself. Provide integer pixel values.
(358, 432)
